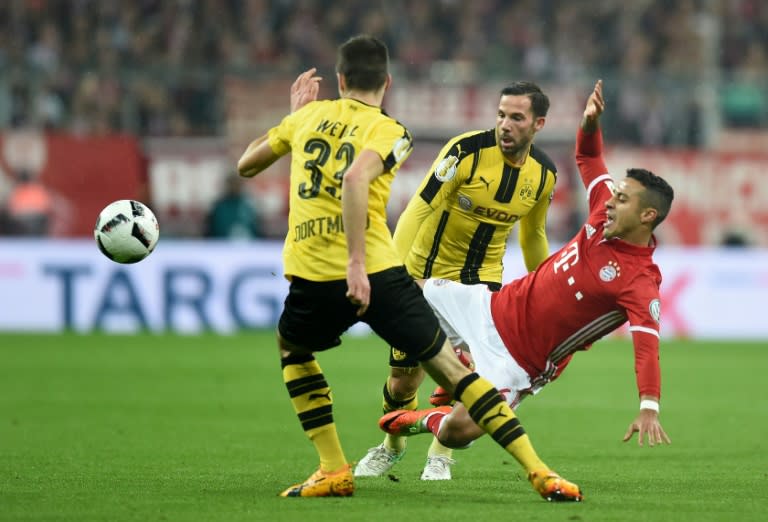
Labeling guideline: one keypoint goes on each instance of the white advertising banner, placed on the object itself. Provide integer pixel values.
(185, 286)
(198, 286)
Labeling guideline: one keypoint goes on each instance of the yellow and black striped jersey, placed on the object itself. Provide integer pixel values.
(457, 225)
(324, 138)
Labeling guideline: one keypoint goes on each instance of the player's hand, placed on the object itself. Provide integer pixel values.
(647, 425)
(358, 287)
(595, 103)
(304, 89)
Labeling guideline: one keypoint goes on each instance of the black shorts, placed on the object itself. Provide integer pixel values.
(317, 313)
(399, 358)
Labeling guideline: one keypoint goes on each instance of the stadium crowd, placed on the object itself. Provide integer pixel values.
(154, 67)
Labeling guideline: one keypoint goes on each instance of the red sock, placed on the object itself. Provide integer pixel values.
(433, 421)
(465, 361)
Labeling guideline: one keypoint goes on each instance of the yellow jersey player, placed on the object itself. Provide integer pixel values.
(457, 226)
(343, 267)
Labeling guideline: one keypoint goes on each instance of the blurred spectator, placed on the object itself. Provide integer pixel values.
(735, 239)
(45, 51)
(155, 67)
(744, 98)
(95, 105)
(233, 215)
(29, 207)
(675, 71)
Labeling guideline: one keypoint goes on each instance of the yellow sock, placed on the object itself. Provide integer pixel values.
(312, 402)
(438, 450)
(487, 408)
(328, 446)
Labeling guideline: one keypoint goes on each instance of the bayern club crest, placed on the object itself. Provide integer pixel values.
(610, 271)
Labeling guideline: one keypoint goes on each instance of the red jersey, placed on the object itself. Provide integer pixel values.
(584, 291)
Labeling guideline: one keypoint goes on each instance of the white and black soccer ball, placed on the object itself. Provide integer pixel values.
(126, 231)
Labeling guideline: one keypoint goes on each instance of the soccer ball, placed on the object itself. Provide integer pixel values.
(126, 231)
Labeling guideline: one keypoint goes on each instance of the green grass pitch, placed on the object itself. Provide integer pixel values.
(97, 427)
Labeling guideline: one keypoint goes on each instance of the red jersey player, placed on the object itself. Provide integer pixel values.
(523, 336)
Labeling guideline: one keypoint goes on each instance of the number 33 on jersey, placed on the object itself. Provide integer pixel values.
(315, 246)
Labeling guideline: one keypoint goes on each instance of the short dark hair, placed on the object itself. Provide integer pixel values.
(539, 100)
(363, 60)
(658, 193)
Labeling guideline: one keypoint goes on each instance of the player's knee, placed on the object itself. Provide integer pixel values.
(404, 382)
(283, 346)
(458, 430)
(456, 443)
(450, 437)
(288, 349)
(457, 435)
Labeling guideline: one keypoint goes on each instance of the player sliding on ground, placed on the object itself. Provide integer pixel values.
(444, 234)
(523, 336)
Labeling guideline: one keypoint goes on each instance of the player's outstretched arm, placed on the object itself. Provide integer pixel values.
(305, 89)
(647, 426)
(595, 107)
(589, 142)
